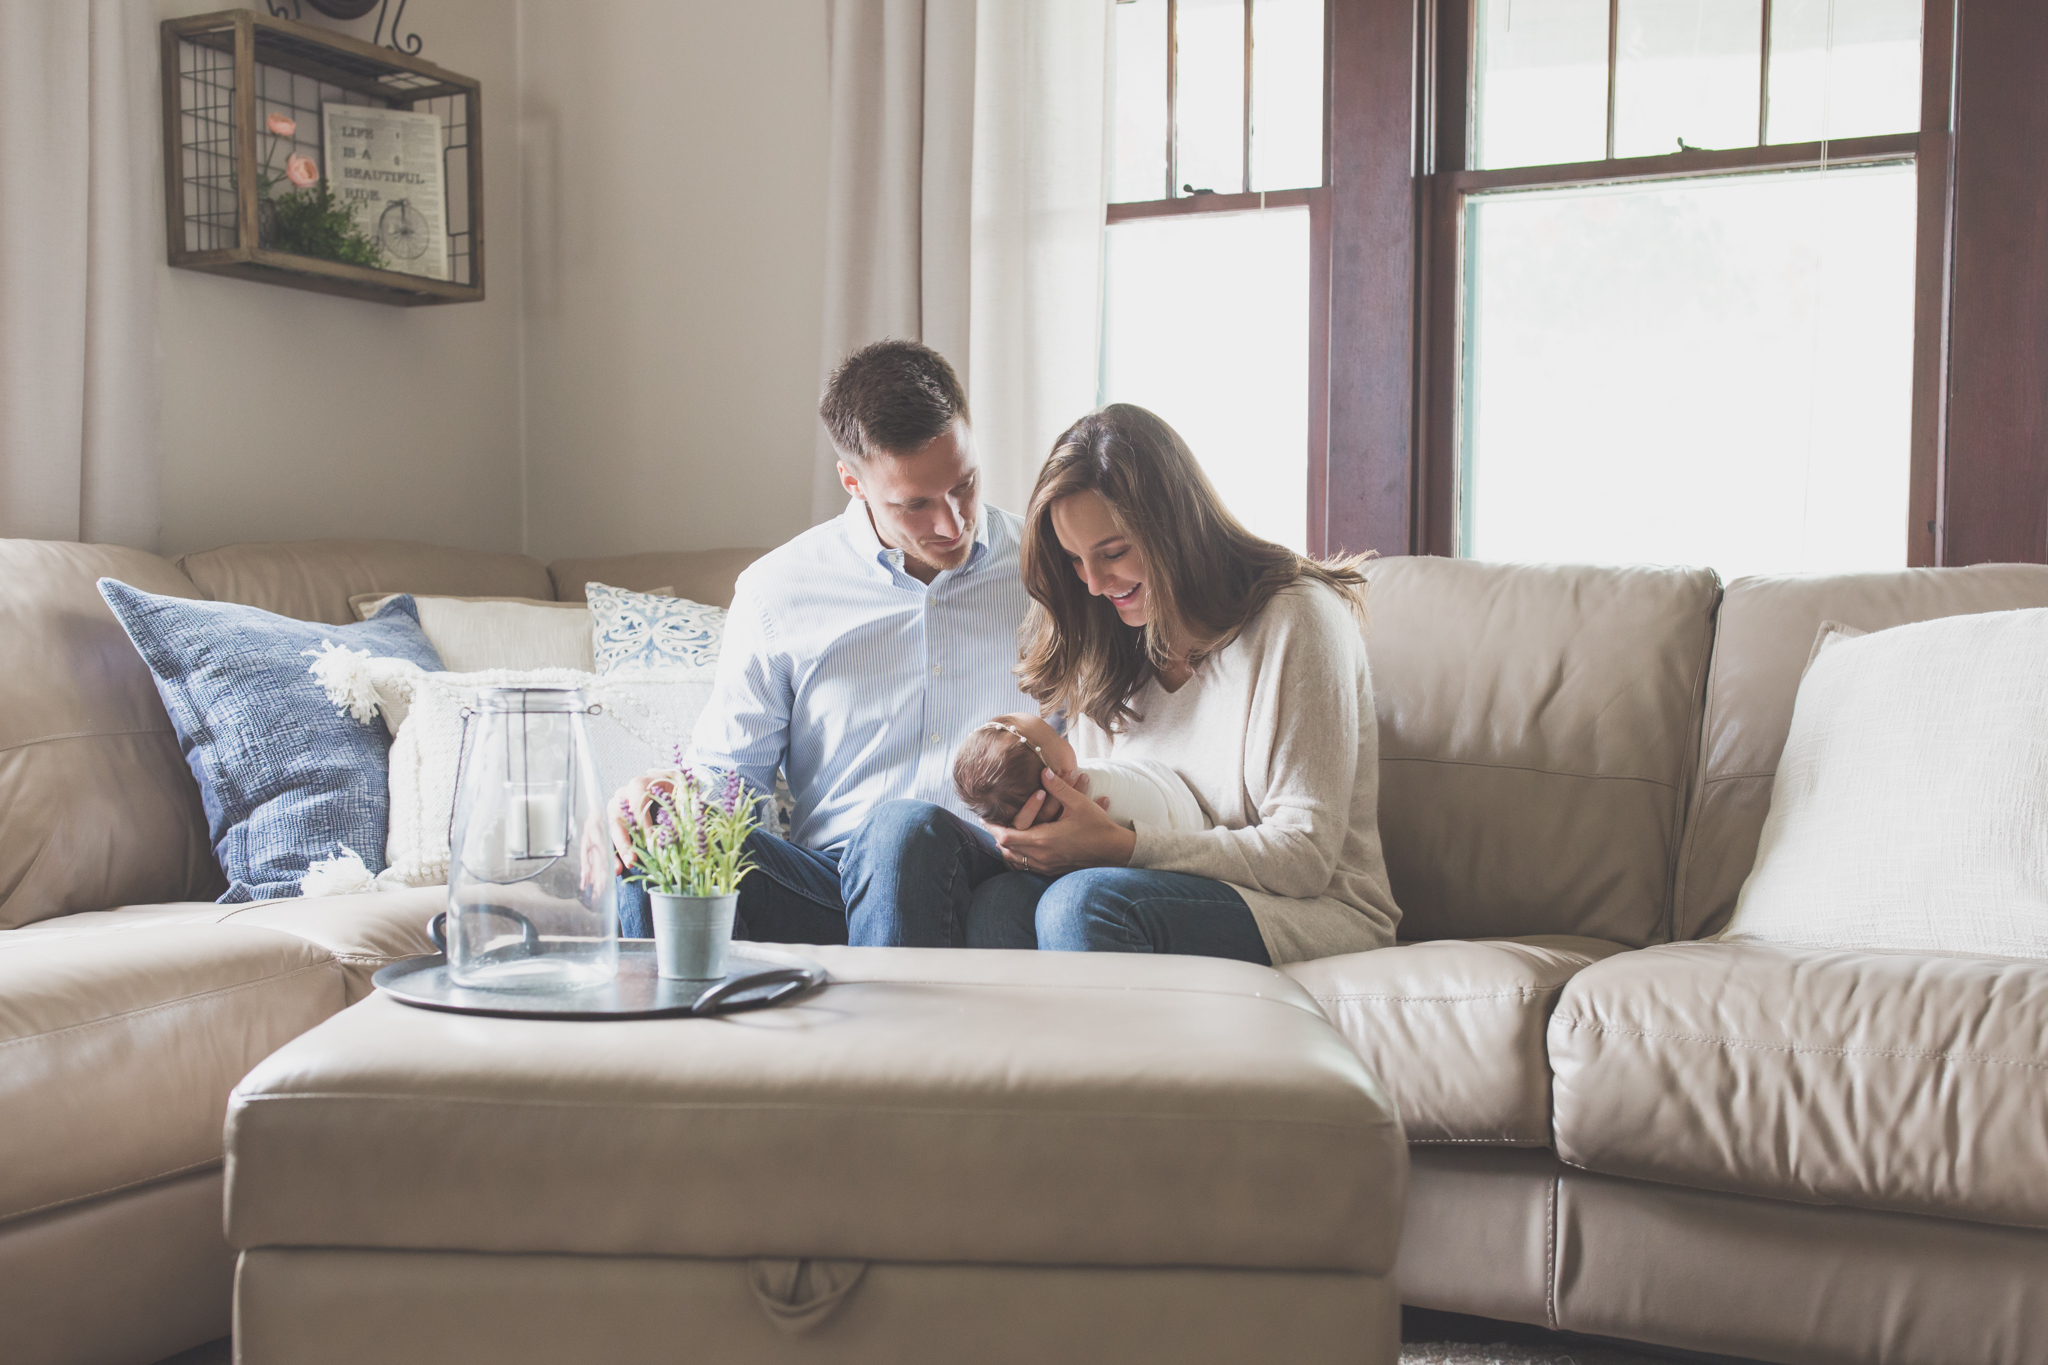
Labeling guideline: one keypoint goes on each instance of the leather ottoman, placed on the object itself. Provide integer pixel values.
(943, 1156)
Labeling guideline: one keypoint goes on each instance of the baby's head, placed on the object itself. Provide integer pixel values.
(998, 766)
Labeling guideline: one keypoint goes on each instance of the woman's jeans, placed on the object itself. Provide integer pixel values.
(905, 879)
(1114, 910)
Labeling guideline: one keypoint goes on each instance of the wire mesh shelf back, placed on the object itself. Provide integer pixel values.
(220, 144)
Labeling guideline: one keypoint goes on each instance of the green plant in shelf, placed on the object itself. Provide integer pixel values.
(306, 221)
(310, 223)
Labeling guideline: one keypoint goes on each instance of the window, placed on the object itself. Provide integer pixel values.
(1211, 310)
(1678, 324)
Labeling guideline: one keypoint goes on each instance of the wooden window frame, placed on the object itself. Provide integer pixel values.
(1247, 200)
(1384, 238)
(1400, 104)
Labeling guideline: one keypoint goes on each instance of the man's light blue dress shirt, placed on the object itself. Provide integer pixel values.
(855, 679)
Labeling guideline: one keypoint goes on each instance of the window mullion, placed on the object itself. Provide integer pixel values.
(1247, 167)
(1763, 81)
(1613, 67)
(1172, 96)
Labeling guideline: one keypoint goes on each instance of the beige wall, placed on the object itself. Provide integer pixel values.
(675, 169)
(288, 415)
(643, 372)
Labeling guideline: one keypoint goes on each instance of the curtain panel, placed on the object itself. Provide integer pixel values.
(80, 213)
(964, 209)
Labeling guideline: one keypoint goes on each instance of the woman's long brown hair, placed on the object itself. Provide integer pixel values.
(1206, 575)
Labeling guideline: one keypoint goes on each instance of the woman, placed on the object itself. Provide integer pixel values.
(1164, 630)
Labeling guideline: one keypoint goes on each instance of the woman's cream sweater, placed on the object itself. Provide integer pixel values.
(1276, 736)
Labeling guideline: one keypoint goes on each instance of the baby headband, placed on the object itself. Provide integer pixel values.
(999, 725)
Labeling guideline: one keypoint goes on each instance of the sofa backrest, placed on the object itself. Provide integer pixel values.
(1538, 727)
(312, 580)
(701, 575)
(97, 807)
(1766, 635)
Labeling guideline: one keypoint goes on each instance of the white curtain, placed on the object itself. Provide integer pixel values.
(964, 209)
(81, 224)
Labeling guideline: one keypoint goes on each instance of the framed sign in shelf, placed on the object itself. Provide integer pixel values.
(268, 176)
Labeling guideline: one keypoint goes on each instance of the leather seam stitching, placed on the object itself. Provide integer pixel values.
(1550, 1252)
(1481, 1142)
(1521, 993)
(1541, 772)
(897, 1111)
(179, 1003)
(84, 734)
(1735, 777)
(115, 1189)
(1072, 986)
(1897, 1054)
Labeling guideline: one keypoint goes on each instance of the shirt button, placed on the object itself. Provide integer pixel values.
(935, 737)
(938, 668)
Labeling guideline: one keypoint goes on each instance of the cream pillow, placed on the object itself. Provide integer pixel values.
(473, 634)
(1910, 809)
(642, 718)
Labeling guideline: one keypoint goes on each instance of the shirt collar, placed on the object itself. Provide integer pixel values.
(860, 533)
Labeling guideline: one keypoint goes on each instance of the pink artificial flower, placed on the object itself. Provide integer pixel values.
(302, 171)
(282, 126)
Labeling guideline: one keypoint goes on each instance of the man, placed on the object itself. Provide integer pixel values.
(856, 658)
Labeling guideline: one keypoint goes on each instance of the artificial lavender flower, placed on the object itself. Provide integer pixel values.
(730, 797)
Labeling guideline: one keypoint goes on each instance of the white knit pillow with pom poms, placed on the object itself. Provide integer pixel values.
(641, 719)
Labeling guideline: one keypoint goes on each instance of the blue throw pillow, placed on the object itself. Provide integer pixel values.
(285, 775)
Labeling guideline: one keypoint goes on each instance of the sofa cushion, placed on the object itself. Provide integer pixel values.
(1538, 724)
(362, 933)
(96, 802)
(928, 1105)
(1877, 1080)
(1766, 633)
(118, 1049)
(1454, 1029)
(700, 575)
(288, 777)
(313, 580)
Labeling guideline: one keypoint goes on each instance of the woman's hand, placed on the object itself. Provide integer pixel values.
(637, 796)
(1082, 836)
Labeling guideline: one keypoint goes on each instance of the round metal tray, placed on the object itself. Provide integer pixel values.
(755, 978)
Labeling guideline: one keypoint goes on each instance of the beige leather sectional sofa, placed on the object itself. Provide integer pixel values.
(1618, 1125)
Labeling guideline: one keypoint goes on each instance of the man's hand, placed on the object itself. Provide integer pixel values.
(1082, 835)
(636, 796)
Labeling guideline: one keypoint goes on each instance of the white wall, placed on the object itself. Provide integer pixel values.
(674, 176)
(654, 179)
(288, 415)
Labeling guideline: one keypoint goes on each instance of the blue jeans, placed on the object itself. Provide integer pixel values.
(905, 879)
(1115, 910)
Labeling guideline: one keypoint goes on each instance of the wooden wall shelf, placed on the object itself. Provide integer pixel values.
(224, 73)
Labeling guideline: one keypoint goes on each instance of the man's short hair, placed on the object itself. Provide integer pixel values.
(891, 397)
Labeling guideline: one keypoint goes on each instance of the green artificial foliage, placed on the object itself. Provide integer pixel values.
(310, 223)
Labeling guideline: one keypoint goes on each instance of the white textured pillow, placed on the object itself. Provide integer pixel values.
(1910, 809)
(475, 634)
(642, 718)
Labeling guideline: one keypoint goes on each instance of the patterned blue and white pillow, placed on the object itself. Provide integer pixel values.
(286, 778)
(636, 630)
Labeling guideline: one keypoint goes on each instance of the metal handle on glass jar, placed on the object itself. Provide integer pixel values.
(437, 927)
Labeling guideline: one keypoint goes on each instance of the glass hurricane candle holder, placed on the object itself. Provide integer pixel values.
(531, 901)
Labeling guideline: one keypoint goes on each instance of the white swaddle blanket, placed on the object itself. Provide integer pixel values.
(1147, 790)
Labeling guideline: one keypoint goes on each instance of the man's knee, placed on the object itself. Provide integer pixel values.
(904, 823)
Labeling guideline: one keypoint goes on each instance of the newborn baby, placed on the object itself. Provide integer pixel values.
(998, 768)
